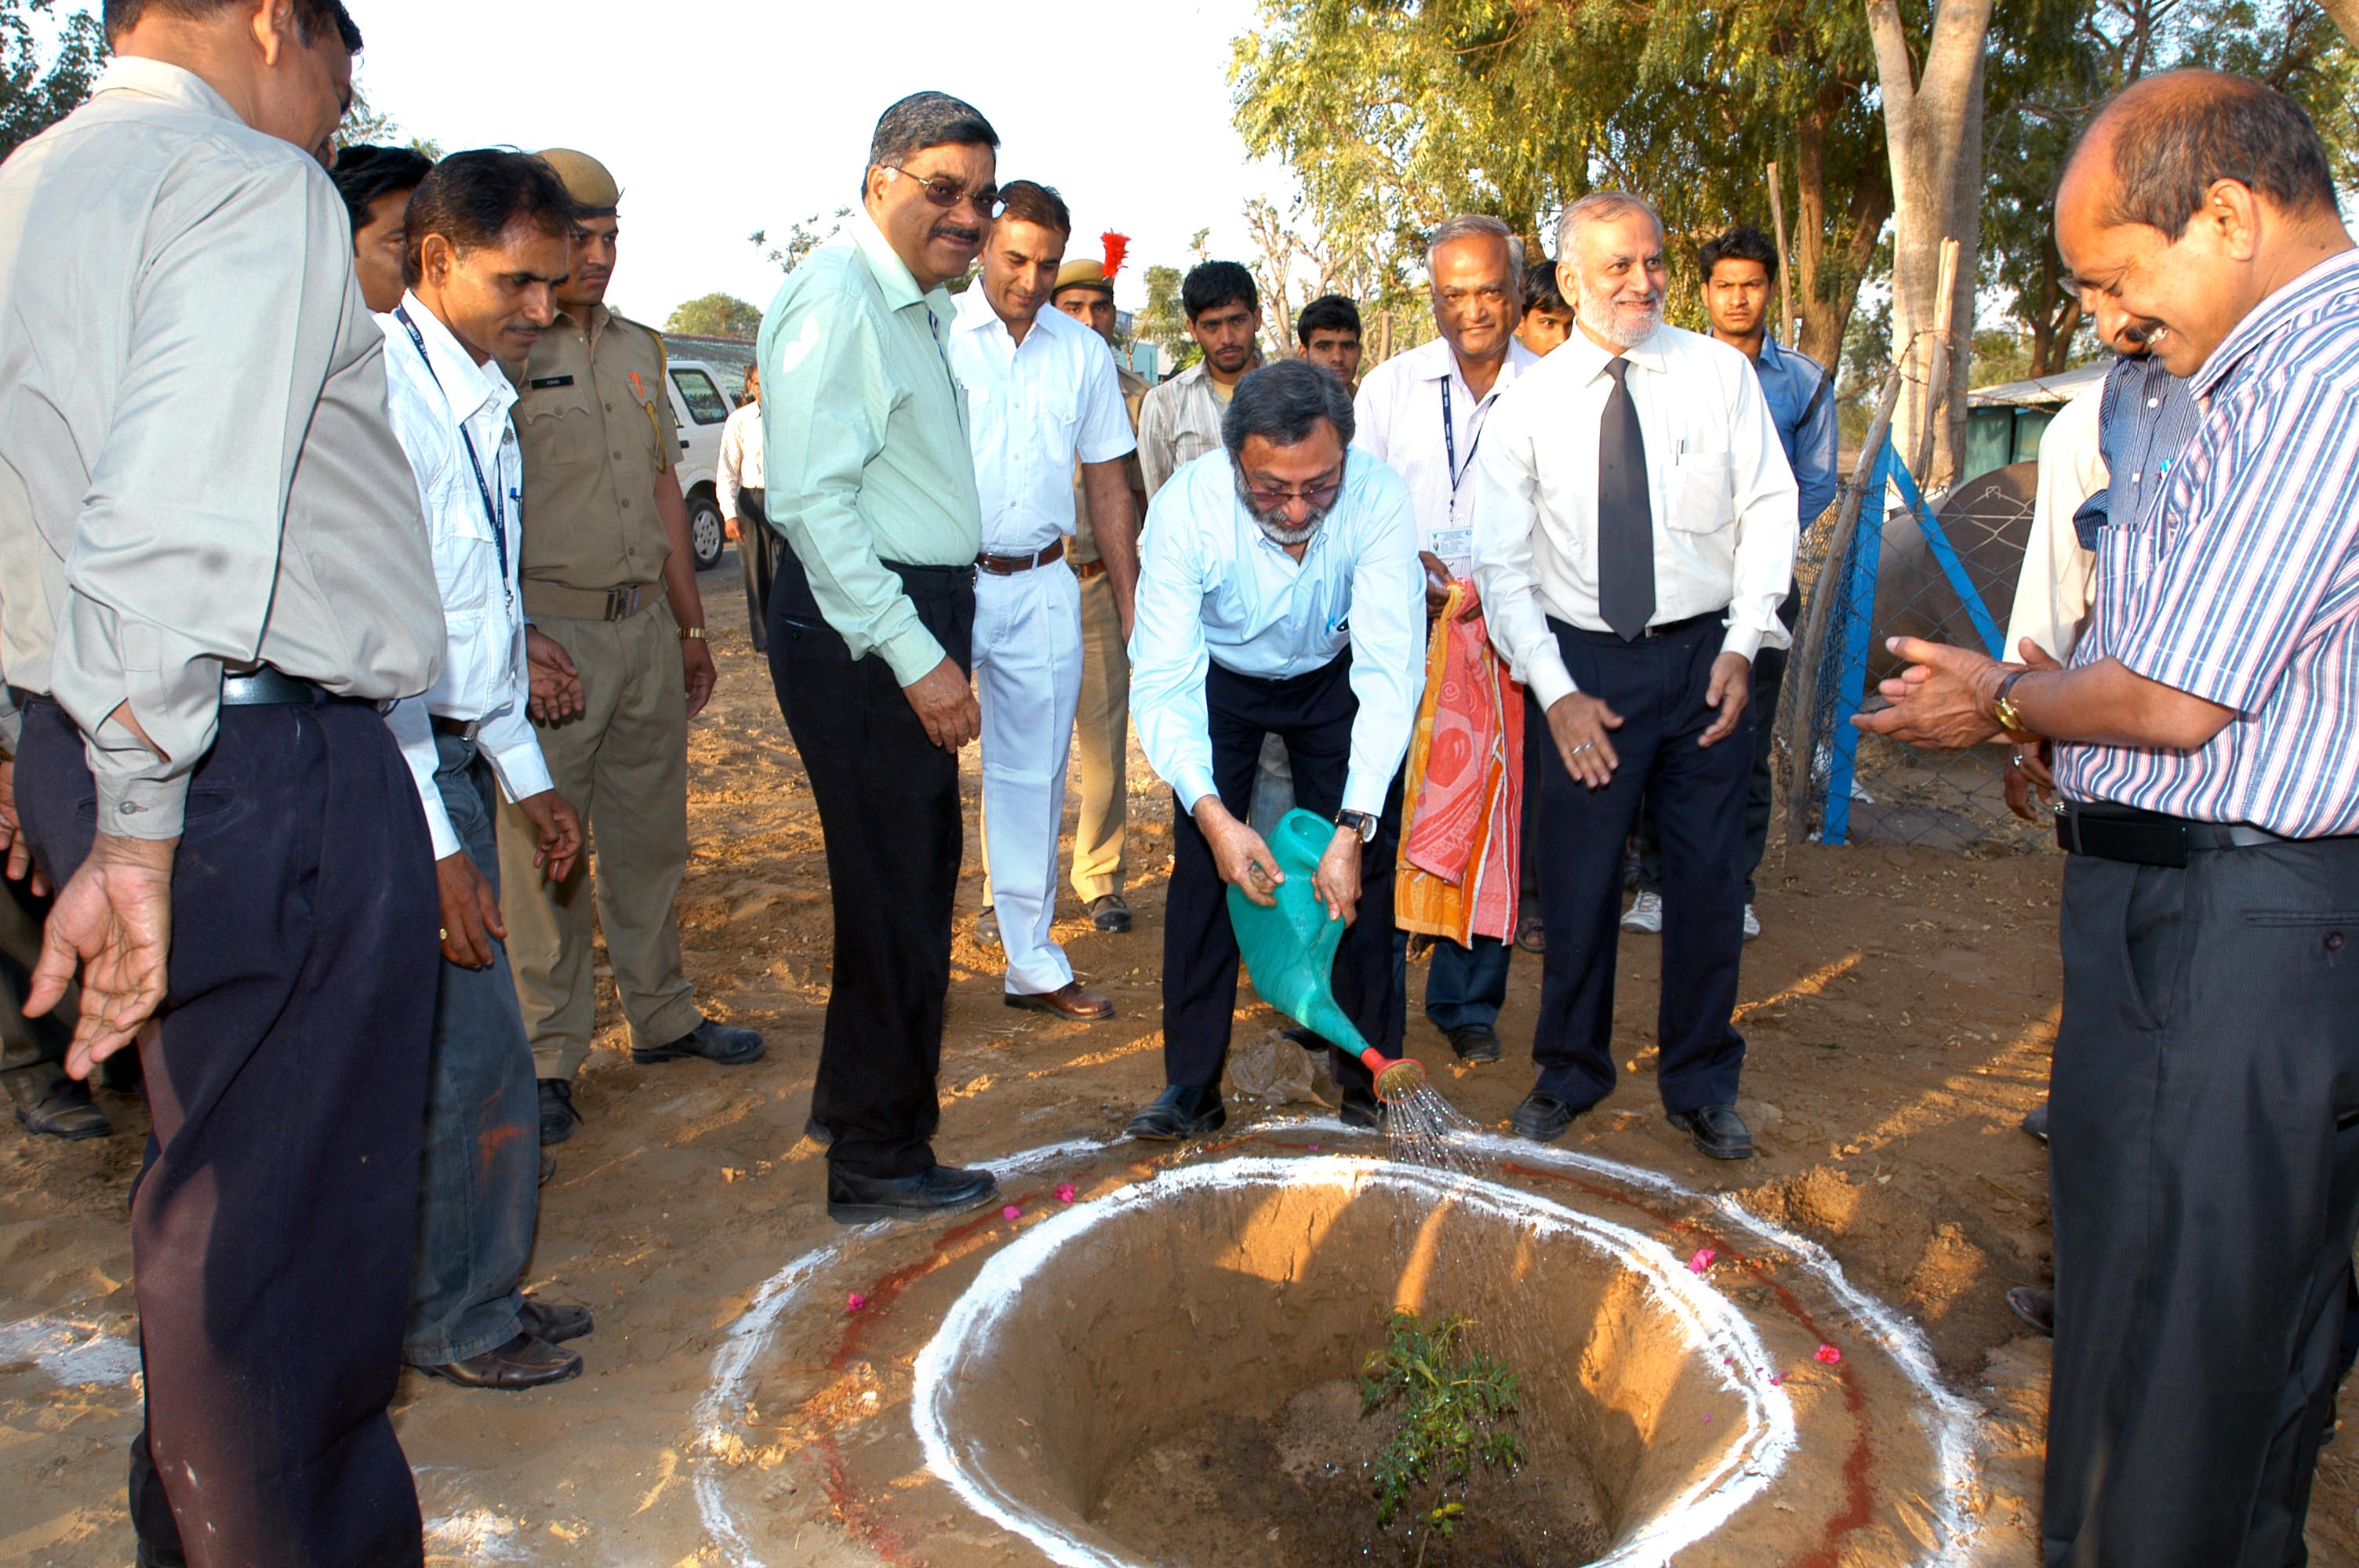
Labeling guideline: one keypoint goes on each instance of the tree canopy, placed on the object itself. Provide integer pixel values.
(36, 93)
(716, 316)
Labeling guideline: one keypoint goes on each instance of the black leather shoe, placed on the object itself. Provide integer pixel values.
(51, 1105)
(1110, 912)
(720, 1043)
(1475, 1043)
(524, 1362)
(548, 1167)
(817, 1131)
(1181, 1113)
(1543, 1118)
(146, 1556)
(557, 1113)
(1361, 1108)
(856, 1200)
(1718, 1131)
(555, 1321)
(987, 927)
(2037, 1122)
(2035, 1306)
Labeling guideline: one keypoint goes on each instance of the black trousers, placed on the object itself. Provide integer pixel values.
(1760, 789)
(30, 1048)
(888, 805)
(271, 1225)
(2204, 1166)
(1312, 714)
(1657, 685)
(758, 550)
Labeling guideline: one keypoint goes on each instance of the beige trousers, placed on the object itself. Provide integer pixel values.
(624, 764)
(1102, 742)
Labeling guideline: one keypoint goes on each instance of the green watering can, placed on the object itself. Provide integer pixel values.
(1290, 950)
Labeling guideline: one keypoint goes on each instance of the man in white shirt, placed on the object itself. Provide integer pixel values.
(1279, 595)
(1633, 537)
(1423, 414)
(487, 246)
(738, 487)
(1041, 394)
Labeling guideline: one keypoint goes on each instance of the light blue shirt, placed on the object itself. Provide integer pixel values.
(1213, 588)
(1789, 384)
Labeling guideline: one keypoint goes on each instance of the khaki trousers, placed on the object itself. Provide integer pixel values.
(1102, 742)
(624, 764)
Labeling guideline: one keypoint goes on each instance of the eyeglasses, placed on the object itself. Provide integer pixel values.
(1319, 497)
(949, 193)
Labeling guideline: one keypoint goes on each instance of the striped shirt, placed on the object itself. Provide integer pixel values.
(2242, 585)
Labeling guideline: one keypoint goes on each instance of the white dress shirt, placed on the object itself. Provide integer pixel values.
(740, 456)
(195, 471)
(1213, 588)
(1413, 413)
(1034, 408)
(1723, 496)
(438, 401)
(2051, 595)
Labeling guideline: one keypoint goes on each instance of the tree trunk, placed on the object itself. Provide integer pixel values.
(1829, 282)
(1933, 133)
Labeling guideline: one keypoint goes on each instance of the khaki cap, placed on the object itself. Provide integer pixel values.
(585, 179)
(1086, 272)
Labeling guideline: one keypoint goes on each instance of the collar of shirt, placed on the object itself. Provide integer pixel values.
(170, 84)
(590, 325)
(894, 279)
(2337, 275)
(467, 389)
(1590, 361)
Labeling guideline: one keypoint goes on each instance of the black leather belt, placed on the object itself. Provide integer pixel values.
(2112, 832)
(264, 688)
(1667, 629)
(1008, 565)
(458, 728)
(935, 577)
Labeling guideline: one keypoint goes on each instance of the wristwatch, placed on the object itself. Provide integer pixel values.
(695, 632)
(1359, 822)
(2003, 710)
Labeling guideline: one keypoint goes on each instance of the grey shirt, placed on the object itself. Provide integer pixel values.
(197, 472)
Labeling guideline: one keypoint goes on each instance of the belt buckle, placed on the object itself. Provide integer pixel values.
(622, 603)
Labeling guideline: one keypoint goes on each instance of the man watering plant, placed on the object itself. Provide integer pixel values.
(1279, 594)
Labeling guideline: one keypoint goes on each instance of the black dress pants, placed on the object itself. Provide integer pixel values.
(888, 806)
(758, 550)
(31, 1049)
(1312, 714)
(273, 1222)
(1697, 794)
(2204, 1172)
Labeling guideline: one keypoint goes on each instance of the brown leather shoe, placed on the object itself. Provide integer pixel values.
(1068, 1000)
(554, 1321)
(524, 1362)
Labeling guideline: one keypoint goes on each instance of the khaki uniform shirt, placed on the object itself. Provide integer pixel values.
(1084, 548)
(597, 429)
(196, 473)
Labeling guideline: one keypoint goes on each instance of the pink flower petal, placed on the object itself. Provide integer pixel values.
(1011, 1212)
(856, 1302)
(1829, 1355)
(1065, 1191)
(1779, 1381)
(1701, 1260)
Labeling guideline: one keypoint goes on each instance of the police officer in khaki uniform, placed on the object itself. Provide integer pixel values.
(619, 667)
(1102, 724)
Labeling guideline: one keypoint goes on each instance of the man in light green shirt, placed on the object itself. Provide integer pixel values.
(871, 627)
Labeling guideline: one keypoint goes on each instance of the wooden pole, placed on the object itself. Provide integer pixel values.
(1802, 702)
(1785, 285)
(1937, 374)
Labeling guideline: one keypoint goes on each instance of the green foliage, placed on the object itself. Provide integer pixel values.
(1455, 1404)
(802, 240)
(366, 125)
(716, 316)
(1163, 322)
(35, 94)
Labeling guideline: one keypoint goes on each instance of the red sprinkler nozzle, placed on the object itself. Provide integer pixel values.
(1397, 1079)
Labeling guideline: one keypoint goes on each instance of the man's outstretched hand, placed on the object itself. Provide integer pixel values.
(1242, 857)
(1942, 699)
(113, 922)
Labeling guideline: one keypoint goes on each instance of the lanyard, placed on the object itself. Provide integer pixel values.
(1450, 442)
(496, 512)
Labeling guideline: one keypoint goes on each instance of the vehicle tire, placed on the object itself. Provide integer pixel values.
(706, 535)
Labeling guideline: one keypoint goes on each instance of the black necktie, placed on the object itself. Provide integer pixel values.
(1625, 519)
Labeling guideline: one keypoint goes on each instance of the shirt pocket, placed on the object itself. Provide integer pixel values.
(1702, 492)
(567, 432)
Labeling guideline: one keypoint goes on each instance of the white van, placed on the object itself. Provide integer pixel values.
(702, 400)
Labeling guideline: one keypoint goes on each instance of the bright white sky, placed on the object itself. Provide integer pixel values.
(720, 117)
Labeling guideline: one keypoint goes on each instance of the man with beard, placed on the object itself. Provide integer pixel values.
(872, 625)
(1279, 595)
(1041, 395)
(1633, 536)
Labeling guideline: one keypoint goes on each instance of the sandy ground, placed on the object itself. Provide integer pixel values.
(1900, 1011)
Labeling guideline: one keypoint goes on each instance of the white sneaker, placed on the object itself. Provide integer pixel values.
(1645, 915)
(1752, 924)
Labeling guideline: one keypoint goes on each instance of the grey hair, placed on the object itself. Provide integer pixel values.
(927, 120)
(1283, 403)
(1479, 226)
(1600, 207)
